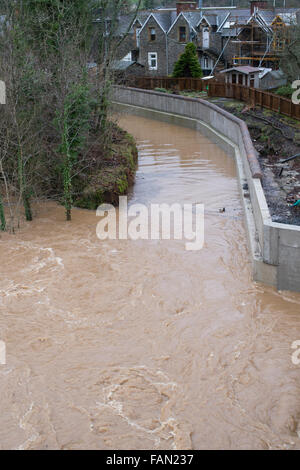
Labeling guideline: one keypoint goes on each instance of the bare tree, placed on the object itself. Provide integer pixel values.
(55, 111)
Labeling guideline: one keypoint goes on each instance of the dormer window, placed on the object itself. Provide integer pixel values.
(152, 34)
(182, 33)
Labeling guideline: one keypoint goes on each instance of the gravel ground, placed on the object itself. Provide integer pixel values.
(275, 138)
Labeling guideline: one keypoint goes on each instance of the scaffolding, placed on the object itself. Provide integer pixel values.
(256, 44)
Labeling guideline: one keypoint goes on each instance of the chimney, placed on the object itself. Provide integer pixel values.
(185, 6)
(256, 4)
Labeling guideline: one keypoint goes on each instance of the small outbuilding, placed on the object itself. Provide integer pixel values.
(126, 69)
(243, 75)
(270, 79)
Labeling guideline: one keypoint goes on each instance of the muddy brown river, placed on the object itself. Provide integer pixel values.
(122, 344)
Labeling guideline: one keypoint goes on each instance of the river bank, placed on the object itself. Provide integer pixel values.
(111, 174)
(103, 172)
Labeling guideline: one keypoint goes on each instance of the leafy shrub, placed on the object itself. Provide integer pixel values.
(285, 91)
(162, 90)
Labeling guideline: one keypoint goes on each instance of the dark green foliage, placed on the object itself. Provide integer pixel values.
(76, 116)
(188, 63)
(73, 124)
(161, 90)
(149, 4)
(285, 91)
(114, 176)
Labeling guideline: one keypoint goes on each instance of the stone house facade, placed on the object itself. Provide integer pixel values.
(152, 46)
(223, 36)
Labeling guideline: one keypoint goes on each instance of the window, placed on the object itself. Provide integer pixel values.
(182, 34)
(205, 63)
(152, 60)
(205, 38)
(152, 34)
(279, 43)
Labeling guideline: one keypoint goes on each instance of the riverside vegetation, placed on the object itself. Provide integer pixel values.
(56, 138)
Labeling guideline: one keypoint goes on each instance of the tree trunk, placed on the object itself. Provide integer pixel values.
(2, 216)
(22, 187)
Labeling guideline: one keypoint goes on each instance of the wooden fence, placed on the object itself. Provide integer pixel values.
(252, 96)
(255, 97)
(180, 84)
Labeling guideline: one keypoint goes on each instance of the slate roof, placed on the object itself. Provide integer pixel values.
(277, 74)
(121, 65)
(246, 69)
(125, 20)
(223, 19)
(165, 18)
(239, 16)
(268, 16)
(193, 17)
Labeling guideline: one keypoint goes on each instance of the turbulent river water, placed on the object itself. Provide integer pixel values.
(121, 344)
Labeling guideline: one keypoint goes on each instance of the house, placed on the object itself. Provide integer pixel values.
(224, 36)
(255, 77)
(243, 75)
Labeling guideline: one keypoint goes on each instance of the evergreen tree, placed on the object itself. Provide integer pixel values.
(148, 4)
(188, 63)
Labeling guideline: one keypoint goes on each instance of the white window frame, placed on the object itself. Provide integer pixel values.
(150, 58)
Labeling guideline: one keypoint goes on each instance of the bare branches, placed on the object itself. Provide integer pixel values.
(56, 113)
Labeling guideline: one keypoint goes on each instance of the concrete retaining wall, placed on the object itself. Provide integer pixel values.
(274, 248)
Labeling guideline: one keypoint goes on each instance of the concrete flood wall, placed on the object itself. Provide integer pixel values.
(274, 248)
